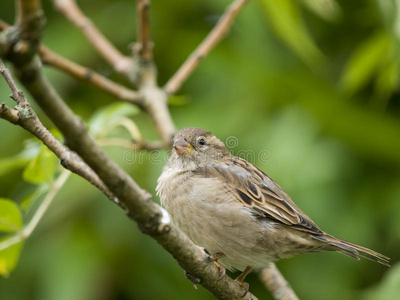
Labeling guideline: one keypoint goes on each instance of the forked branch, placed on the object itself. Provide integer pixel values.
(84, 74)
(88, 75)
(24, 116)
(121, 63)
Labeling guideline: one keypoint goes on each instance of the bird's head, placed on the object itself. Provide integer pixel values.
(199, 146)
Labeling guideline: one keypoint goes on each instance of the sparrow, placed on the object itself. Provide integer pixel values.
(243, 218)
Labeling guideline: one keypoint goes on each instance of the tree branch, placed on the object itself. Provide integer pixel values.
(84, 74)
(145, 45)
(137, 203)
(276, 283)
(155, 104)
(16, 95)
(88, 75)
(8, 114)
(121, 63)
(30, 19)
(213, 38)
(29, 25)
(155, 100)
(24, 116)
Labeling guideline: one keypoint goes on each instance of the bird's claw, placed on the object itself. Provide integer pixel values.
(221, 268)
(244, 285)
(240, 281)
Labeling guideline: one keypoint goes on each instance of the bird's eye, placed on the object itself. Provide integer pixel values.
(202, 142)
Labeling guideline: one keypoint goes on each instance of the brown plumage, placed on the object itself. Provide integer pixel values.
(233, 209)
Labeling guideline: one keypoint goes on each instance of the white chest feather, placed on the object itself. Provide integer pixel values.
(172, 178)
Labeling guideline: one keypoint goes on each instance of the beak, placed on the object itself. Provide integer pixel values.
(182, 147)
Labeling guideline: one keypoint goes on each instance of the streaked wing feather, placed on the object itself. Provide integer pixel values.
(257, 191)
(266, 199)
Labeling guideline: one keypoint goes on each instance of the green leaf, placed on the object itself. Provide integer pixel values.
(365, 61)
(9, 258)
(389, 12)
(178, 100)
(29, 199)
(286, 19)
(329, 10)
(388, 288)
(10, 216)
(110, 113)
(42, 168)
(19, 160)
(386, 82)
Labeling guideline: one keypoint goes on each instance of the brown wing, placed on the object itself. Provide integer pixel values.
(257, 191)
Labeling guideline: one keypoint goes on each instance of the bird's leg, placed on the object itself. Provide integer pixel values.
(240, 281)
(221, 268)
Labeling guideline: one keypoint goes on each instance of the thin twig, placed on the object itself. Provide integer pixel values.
(55, 187)
(216, 34)
(24, 116)
(276, 283)
(156, 145)
(115, 142)
(155, 104)
(135, 146)
(121, 63)
(28, 229)
(11, 115)
(86, 74)
(16, 95)
(154, 98)
(126, 123)
(145, 45)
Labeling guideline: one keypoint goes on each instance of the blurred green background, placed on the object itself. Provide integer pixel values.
(311, 86)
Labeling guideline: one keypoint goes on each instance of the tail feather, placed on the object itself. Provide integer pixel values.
(349, 254)
(352, 250)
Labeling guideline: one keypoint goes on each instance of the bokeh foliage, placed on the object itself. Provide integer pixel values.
(312, 83)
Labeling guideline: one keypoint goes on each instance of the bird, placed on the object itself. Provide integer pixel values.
(234, 210)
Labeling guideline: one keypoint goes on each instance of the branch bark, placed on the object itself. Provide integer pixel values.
(30, 19)
(145, 45)
(88, 75)
(151, 97)
(28, 29)
(8, 114)
(79, 72)
(24, 116)
(121, 63)
(276, 283)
